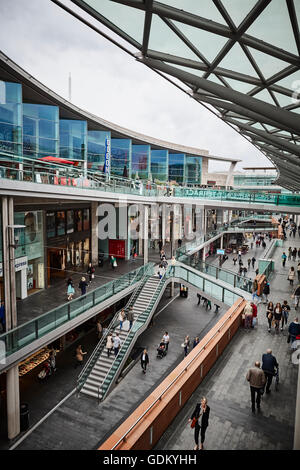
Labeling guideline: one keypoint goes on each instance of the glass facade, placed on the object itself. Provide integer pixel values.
(140, 161)
(193, 169)
(40, 130)
(73, 139)
(121, 157)
(159, 165)
(98, 144)
(10, 118)
(176, 167)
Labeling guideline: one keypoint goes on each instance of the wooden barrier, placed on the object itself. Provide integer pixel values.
(260, 278)
(144, 427)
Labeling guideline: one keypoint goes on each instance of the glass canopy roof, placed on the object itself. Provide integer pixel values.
(241, 58)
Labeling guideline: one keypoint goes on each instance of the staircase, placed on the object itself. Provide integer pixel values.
(104, 368)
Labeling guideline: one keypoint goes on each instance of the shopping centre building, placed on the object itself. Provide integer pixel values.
(76, 189)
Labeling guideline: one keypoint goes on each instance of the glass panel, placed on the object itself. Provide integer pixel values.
(61, 221)
(236, 60)
(238, 10)
(163, 39)
(121, 157)
(198, 37)
(205, 9)
(70, 221)
(274, 26)
(176, 167)
(193, 170)
(268, 65)
(130, 20)
(237, 85)
(98, 143)
(140, 161)
(50, 224)
(73, 139)
(159, 165)
(229, 297)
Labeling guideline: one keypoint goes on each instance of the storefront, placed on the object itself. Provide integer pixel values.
(68, 236)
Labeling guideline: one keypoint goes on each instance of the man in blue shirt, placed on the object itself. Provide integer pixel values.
(269, 364)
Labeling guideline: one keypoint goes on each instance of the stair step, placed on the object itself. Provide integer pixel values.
(90, 393)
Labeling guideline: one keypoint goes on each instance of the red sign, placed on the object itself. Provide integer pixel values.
(116, 248)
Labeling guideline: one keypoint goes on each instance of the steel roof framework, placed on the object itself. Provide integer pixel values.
(271, 122)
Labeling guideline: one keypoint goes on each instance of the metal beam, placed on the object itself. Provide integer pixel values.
(147, 26)
(253, 104)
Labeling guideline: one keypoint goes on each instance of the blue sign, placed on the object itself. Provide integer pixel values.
(107, 156)
(220, 252)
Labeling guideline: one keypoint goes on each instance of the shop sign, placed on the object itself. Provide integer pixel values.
(20, 263)
(220, 252)
(107, 156)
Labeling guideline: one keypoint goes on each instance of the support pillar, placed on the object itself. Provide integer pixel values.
(145, 232)
(141, 231)
(163, 224)
(221, 242)
(94, 234)
(13, 402)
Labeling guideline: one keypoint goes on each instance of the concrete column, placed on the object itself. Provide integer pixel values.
(12, 280)
(230, 173)
(221, 242)
(145, 232)
(13, 402)
(5, 263)
(163, 223)
(141, 231)
(94, 233)
(204, 221)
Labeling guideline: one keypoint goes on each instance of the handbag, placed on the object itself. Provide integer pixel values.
(193, 423)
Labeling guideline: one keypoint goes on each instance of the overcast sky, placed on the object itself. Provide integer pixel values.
(49, 43)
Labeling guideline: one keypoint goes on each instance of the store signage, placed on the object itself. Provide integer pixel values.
(107, 156)
(20, 263)
(220, 252)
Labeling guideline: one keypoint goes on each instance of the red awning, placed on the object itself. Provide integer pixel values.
(50, 159)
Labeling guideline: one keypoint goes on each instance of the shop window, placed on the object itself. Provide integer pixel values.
(86, 219)
(50, 224)
(70, 221)
(78, 221)
(61, 219)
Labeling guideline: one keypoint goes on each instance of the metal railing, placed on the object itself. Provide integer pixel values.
(32, 330)
(184, 369)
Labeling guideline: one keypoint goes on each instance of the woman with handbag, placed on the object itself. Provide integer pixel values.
(277, 316)
(199, 420)
(291, 275)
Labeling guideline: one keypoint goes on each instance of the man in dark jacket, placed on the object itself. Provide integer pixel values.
(144, 360)
(294, 330)
(266, 292)
(269, 364)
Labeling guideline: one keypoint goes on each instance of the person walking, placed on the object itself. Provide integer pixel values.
(253, 260)
(249, 262)
(201, 415)
(254, 314)
(298, 271)
(291, 275)
(285, 313)
(266, 291)
(269, 366)
(290, 253)
(121, 318)
(186, 345)
(277, 316)
(283, 257)
(254, 289)
(248, 315)
(294, 254)
(199, 298)
(91, 272)
(113, 262)
(270, 314)
(144, 360)
(196, 341)
(294, 331)
(234, 260)
(257, 380)
(116, 344)
(296, 296)
(130, 317)
(83, 285)
(166, 340)
(70, 289)
(79, 356)
(109, 344)
(99, 329)
(52, 360)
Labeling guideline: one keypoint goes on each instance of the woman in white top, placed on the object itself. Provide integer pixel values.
(121, 318)
(291, 275)
(109, 344)
(166, 340)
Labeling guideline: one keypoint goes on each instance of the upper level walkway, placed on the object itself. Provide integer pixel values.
(35, 185)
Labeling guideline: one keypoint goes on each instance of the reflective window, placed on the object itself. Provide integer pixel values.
(86, 219)
(159, 165)
(61, 223)
(73, 139)
(140, 161)
(98, 146)
(50, 224)
(10, 117)
(70, 221)
(176, 167)
(40, 130)
(121, 157)
(78, 221)
(193, 168)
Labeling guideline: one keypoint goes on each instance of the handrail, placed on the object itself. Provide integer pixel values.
(111, 325)
(162, 280)
(177, 377)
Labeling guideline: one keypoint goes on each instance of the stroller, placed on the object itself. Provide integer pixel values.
(161, 350)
